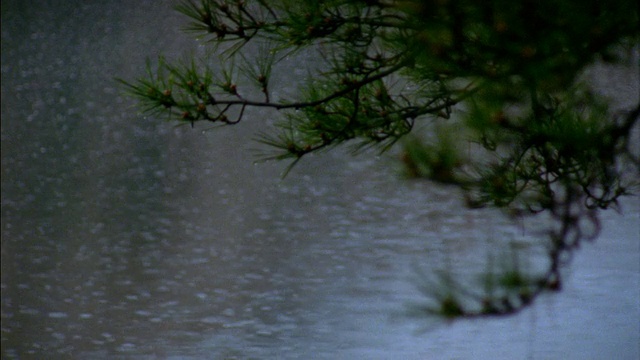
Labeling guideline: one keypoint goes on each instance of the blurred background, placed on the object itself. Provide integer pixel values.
(128, 237)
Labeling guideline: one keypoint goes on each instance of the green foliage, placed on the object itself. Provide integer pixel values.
(502, 75)
(438, 161)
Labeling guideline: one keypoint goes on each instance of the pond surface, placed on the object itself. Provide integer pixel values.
(126, 237)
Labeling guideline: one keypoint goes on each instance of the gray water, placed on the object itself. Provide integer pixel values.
(127, 237)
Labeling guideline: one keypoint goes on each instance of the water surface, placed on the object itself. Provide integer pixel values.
(126, 237)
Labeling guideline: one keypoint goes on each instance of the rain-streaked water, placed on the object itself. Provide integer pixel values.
(126, 237)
